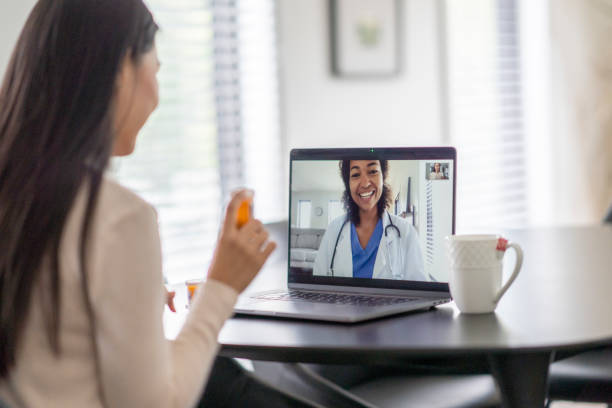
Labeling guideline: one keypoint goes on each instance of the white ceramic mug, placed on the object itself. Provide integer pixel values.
(476, 270)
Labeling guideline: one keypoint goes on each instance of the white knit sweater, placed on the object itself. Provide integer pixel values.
(139, 366)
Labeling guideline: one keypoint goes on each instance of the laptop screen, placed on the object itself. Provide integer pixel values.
(372, 217)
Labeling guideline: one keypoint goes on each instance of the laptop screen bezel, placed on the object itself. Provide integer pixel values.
(370, 153)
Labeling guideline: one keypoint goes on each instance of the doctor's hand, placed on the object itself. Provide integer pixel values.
(240, 252)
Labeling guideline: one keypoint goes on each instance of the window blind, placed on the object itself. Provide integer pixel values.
(429, 228)
(485, 112)
(197, 146)
(228, 95)
(174, 165)
(246, 78)
(259, 79)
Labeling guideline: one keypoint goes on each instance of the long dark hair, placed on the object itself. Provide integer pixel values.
(56, 136)
(352, 210)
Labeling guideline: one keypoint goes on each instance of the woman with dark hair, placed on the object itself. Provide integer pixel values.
(368, 242)
(81, 294)
(436, 173)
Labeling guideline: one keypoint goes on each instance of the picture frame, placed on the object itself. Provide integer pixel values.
(365, 37)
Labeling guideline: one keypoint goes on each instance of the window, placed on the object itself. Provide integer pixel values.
(304, 210)
(246, 82)
(263, 153)
(334, 210)
(200, 142)
(485, 112)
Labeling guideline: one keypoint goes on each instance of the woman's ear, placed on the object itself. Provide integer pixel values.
(123, 92)
(124, 88)
(125, 74)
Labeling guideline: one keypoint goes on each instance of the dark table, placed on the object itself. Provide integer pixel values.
(560, 304)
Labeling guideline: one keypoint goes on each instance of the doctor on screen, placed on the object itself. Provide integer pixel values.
(369, 242)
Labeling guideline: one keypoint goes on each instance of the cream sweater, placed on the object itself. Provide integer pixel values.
(139, 366)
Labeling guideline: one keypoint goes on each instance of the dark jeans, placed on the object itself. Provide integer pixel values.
(230, 385)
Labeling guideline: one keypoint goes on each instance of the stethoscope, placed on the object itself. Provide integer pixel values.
(390, 225)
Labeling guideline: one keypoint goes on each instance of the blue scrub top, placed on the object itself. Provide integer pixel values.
(363, 259)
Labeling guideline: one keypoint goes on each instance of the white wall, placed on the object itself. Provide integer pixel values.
(318, 199)
(13, 15)
(318, 181)
(321, 110)
(536, 81)
(580, 66)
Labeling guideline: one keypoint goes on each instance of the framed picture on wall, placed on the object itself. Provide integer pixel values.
(365, 37)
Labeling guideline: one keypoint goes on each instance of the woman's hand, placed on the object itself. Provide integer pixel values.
(170, 299)
(240, 252)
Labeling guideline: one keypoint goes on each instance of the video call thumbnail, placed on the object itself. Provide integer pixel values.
(436, 171)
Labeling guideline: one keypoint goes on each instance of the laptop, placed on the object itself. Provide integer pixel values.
(366, 231)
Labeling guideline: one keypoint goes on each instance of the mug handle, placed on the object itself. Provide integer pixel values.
(517, 268)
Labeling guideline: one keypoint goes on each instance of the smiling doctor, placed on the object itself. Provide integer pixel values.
(369, 242)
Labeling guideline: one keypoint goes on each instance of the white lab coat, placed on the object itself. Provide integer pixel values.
(398, 257)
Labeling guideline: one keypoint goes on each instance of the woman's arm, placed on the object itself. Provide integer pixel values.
(139, 367)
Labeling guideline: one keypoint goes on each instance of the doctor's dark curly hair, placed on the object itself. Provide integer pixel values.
(350, 206)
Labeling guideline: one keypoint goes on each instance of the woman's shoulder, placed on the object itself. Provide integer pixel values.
(115, 202)
(112, 189)
(117, 211)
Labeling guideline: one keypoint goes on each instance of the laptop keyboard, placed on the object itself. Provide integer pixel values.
(337, 298)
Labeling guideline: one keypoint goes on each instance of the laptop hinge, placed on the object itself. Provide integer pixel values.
(369, 291)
